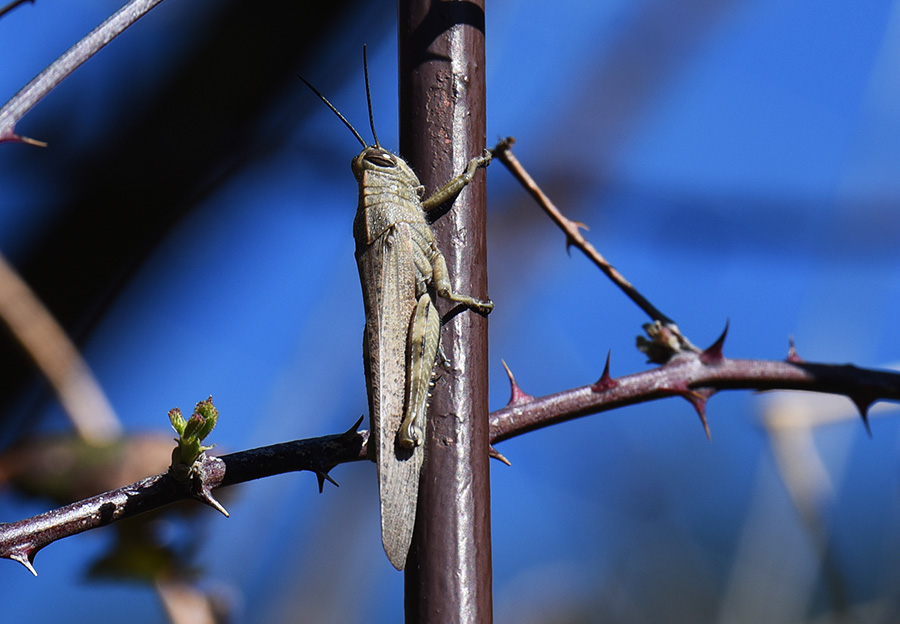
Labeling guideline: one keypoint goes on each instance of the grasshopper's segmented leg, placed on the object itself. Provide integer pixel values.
(424, 336)
(453, 188)
(441, 280)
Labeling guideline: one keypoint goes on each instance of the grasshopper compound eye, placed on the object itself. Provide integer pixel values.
(380, 158)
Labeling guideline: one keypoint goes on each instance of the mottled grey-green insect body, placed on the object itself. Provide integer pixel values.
(401, 270)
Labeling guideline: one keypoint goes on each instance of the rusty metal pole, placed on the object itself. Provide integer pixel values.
(442, 126)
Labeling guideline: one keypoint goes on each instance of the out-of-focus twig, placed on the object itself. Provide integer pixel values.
(503, 152)
(791, 421)
(9, 7)
(57, 358)
(185, 604)
(71, 59)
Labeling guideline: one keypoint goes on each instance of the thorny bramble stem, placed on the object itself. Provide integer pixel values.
(694, 376)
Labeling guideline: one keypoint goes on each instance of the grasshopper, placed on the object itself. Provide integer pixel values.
(401, 271)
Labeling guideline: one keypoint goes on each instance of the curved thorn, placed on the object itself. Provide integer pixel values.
(18, 138)
(605, 382)
(863, 406)
(701, 411)
(498, 455)
(355, 427)
(25, 559)
(517, 395)
(206, 497)
(697, 398)
(713, 353)
(322, 476)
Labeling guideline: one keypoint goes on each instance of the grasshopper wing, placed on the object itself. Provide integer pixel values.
(389, 285)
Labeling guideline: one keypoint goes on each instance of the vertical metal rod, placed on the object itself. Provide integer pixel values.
(442, 126)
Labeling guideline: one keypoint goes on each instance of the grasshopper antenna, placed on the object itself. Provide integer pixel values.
(338, 113)
(369, 96)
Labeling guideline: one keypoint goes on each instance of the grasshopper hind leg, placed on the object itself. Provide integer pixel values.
(422, 346)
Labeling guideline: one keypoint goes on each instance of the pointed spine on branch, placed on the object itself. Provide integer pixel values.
(697, 398)
(25, 557)
(792, 352)
(713, 353)
(498, 455)
(863, 404)
(517, 395)
(606, 382)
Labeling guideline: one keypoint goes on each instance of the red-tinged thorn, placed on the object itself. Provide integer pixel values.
(498, 455)
(517, 395)
(700, 406)
(605, 382)
(698, 399)
(863, 406)
(713, 353)
(24, 557)
(569, 242)
(792, 352)
(16, 138)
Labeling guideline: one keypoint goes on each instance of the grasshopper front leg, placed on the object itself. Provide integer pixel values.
(455, 186)
(440, 275)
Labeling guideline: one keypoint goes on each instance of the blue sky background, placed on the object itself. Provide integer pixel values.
(735, 160)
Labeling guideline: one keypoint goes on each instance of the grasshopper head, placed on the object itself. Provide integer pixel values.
(379, 162)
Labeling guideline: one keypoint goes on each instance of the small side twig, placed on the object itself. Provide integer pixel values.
(503, 152)
(71, 59)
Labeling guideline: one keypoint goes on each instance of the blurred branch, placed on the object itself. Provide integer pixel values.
(790, 422)
(9, 7)
(57, 358)
(71, 59)
(185, 604)
(503, 152)
(693, 376)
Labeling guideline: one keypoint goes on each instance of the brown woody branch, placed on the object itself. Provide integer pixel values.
(22, 540)
(572, 229)
(693, 376)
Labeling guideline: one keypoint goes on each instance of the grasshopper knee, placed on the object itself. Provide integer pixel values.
(410, 435)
